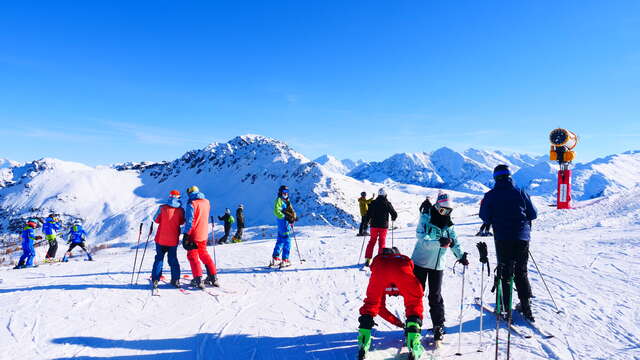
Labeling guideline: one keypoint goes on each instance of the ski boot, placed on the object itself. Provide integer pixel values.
(364, 335)
(197, 282)
(19, 266)
(285, 263)
(275, 261)
(212, 280)
(438, 333)
(367, 262)
(479, 233)
(412, 329)
(175, 283)
(65, 258)
(524, 308)
(154, 285)
(89, 258)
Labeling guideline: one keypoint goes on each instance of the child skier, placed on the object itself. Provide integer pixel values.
(285, 217)
(77, 237)
(50, 228)
(169, 217)
(227, 220)
(28, 249)
(435, 233)
(392, 270)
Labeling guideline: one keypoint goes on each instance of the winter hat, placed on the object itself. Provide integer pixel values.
(501, 172)
(174, 193)
(193, 189)
(443, 200)
(227, 211)
(381, 192)
(241, 206)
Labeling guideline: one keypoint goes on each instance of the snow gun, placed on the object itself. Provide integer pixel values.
(563, 142)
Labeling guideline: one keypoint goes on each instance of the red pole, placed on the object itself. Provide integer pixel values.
(564, 189)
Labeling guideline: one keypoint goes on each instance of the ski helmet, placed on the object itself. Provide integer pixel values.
(501, 172)
(241, 206)
(32, 224)
(193, 189)
(282, 190)
(363, 194)
(227, 211)
(174, 193)
(381, 192)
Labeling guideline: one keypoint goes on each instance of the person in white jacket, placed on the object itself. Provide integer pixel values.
(435, 233)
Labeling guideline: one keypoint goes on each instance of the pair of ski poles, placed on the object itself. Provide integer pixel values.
(143, 253)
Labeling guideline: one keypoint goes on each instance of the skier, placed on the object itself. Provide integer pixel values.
(392, 269)
(28, 249)
(435, 233)
(510, 211)
(169, 217)
(364, 207)
(426, 205)
(194, 238)
(228, 220)
(239, 224)
(378, 216)
(50, 228)
(485, 230)
(285, 217)
(77, 237)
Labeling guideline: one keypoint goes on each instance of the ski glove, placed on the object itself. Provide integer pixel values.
(484, 255)
(463, 260)
(445, 242)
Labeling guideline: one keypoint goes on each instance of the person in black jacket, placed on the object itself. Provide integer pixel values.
(425, 206)
(378, 215)
(510, 211)
(239, 224)
(228, 220)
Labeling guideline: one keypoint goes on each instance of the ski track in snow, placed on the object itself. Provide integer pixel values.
(89, 310)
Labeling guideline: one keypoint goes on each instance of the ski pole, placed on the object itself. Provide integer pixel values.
(392, 244)
(481, 306)
(558, 311)
(509, 311)
(144, 252)
(213, 229)
(296, 242)
(464, 268)
(361, 248)
(135, 259)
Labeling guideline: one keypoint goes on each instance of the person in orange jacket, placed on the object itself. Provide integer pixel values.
(169, 217)
(194, 240)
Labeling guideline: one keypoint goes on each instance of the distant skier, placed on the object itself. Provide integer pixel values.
(28, 248)
(511, 211)
(426, 205)
(227, 220)
(239, 224)
(169, 217)
(392, 271)
(76, 237)
(50, 229)
(378, 216)
(435, 233)
(194, 240)
(285, 217)
(363, 203)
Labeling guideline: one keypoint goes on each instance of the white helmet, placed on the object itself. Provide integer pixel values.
(381, 192)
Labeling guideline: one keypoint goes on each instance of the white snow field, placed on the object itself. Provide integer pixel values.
(589, 256)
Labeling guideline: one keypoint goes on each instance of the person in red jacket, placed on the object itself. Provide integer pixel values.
(169, 217)
(195, 235)
(391, 270)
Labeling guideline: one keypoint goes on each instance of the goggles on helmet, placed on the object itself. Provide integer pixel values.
(444, 211)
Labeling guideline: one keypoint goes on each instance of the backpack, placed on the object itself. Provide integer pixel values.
(231, 219)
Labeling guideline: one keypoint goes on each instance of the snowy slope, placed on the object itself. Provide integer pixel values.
(332, 164)
(88, 310)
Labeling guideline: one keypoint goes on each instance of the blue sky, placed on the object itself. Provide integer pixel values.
(109, 81)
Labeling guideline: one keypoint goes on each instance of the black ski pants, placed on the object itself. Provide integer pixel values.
(433, 278)
(363, 225)
(53, 248)
(513, 256)
(239, 233)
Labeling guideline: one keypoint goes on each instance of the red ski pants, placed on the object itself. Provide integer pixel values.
(400, 273)
(377, 235)
(200, 254)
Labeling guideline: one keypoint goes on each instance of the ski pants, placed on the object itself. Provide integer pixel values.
(172, 258)
(408, 287)
(200, 254)
(514, 256)
(283, 246)
(378, 235)
(53, 248)
(433, 278)
(238, 234)
(81, 245)
(28, 254)
(364, 226)
(227, 231)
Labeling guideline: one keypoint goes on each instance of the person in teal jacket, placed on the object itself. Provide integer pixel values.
(435, 234)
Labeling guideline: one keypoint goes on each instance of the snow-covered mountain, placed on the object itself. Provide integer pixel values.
(470, 171)
(331, 163)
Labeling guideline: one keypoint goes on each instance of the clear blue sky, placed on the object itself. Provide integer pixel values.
(109, 81)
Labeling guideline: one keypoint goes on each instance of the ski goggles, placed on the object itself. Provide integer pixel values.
(285, 192)
(444, 211)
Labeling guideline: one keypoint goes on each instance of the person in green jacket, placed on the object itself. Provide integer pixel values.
(363, 202)
(436, 234)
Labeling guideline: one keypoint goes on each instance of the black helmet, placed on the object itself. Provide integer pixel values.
(281, 189)
(501, 172)
(363, 194)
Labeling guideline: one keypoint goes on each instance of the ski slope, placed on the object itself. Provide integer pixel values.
(88, 310)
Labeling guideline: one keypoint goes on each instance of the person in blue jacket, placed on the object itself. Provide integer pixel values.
(50, 229)
(285, 217)
(77, 237)
(510, 211)
(28, 249)
(436, 234)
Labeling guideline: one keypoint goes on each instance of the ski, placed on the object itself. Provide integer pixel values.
(534, 327)
(517, 329)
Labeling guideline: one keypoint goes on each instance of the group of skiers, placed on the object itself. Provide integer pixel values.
(51, 228)
(228, 220)
(507, 208)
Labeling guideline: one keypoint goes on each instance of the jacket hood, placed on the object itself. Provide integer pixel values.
(508, 182)
(196, 195)
(174, 202)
